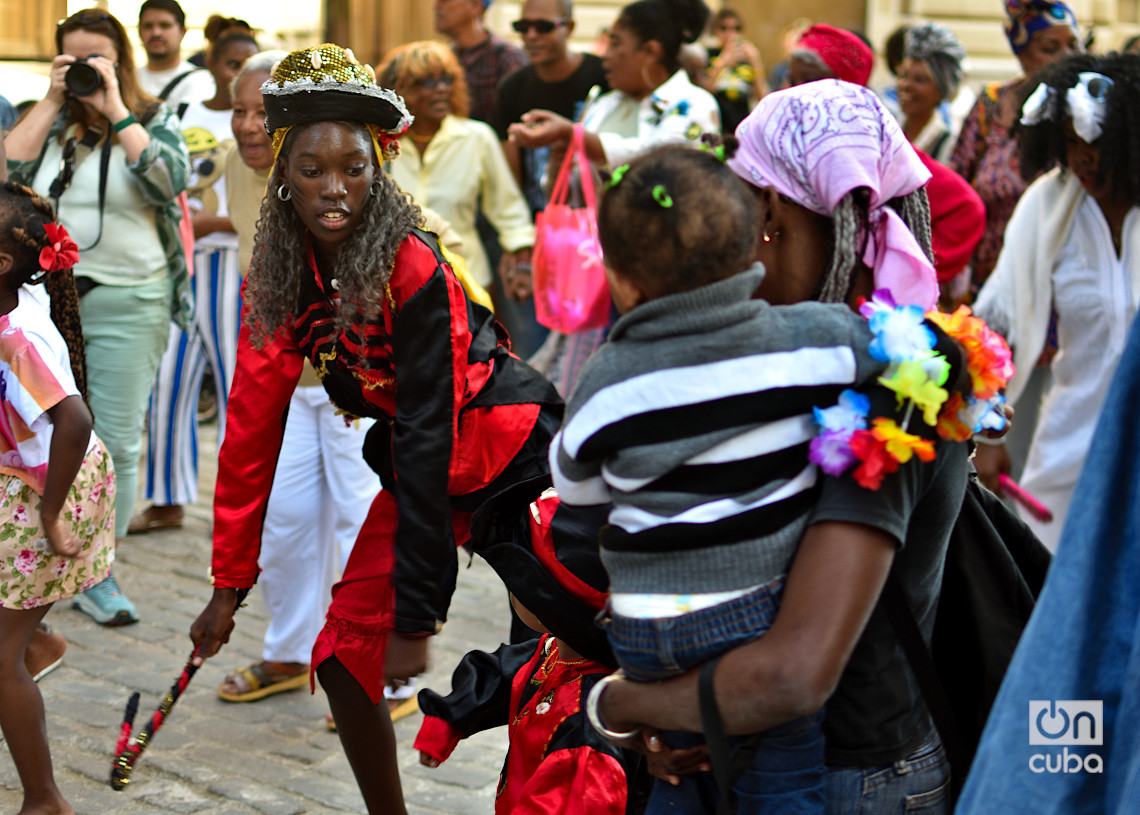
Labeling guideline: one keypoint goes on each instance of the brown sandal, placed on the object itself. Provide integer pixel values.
(263, 679)
(156, 517)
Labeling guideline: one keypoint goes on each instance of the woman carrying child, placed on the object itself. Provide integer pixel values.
(57, 503)
(695, 418)
(835, 224)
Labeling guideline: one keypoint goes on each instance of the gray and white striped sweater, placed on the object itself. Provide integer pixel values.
(694, 420)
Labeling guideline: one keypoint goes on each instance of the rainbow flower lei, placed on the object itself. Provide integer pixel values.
(917, 374)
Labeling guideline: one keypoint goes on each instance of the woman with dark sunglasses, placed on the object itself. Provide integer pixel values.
(453, 164)
(113, 160)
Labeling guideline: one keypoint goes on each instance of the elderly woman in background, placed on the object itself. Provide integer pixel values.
(930, 73)
(172, 426)
(453, 164)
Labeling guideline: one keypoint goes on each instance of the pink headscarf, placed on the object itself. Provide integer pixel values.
(816, 142)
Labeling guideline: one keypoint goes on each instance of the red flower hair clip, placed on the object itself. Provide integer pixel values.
(61, 251)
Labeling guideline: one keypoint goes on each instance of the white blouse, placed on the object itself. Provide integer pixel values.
(677, 111)
(1092, 293)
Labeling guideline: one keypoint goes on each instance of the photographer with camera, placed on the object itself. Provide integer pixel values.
(112, 161)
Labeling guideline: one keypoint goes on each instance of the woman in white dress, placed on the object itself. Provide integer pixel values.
(1073, 244)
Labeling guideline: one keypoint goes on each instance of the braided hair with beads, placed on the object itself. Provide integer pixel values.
(23, 216)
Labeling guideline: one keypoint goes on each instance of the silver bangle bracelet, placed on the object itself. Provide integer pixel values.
(592, 711)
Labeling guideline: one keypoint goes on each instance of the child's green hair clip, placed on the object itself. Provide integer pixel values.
(616, 176)
(718, 152)
(661, 196)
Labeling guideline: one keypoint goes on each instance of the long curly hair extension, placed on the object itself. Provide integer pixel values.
(22, 233)
(363, 267)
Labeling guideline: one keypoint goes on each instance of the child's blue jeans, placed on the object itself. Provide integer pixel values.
(786, 773)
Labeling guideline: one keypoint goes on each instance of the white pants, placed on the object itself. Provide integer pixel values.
(321, 494)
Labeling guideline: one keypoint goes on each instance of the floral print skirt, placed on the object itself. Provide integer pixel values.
(30, 575)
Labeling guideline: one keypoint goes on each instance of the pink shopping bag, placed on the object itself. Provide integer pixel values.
(570, 289)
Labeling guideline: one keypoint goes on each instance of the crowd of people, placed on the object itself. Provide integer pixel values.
(822, 299)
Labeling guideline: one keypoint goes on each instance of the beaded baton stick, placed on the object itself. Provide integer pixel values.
(128, 752)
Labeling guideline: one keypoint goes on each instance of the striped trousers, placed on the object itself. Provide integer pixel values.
(172, 440)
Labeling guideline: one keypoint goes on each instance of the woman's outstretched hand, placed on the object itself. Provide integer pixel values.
(213, 627)
(540, 128)
(662, 761)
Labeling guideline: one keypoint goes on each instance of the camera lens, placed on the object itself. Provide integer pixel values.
(82, 79)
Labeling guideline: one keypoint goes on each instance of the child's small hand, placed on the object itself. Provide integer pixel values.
(670, 764)
(62, 542)
(428, 761)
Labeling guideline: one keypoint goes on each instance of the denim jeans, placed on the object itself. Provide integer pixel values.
(649, 649)
(785, 777)
(919, 783)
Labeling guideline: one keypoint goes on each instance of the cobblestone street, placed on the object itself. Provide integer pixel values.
(273, 756)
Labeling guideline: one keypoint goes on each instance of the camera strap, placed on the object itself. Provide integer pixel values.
(74, 151)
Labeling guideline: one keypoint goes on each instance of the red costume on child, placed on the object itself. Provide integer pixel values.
(557, 762)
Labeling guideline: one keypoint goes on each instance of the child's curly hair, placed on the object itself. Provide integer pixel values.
(1044, 145)
(23, 214)
(677, 218)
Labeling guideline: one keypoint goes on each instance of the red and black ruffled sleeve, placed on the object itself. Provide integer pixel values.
(264, 381)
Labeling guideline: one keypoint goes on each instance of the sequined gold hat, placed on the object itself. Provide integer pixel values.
(326, 83)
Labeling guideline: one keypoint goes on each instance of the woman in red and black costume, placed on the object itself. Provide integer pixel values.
(343, 276)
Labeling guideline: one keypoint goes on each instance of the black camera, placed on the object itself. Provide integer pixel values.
(81, 78)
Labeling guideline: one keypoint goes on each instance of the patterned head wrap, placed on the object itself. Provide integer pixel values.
(845, 55)
(938, 47)
(325, 83)
(1024, 18)
(815, 143)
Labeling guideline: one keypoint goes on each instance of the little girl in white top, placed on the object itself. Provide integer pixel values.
(57, 487)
